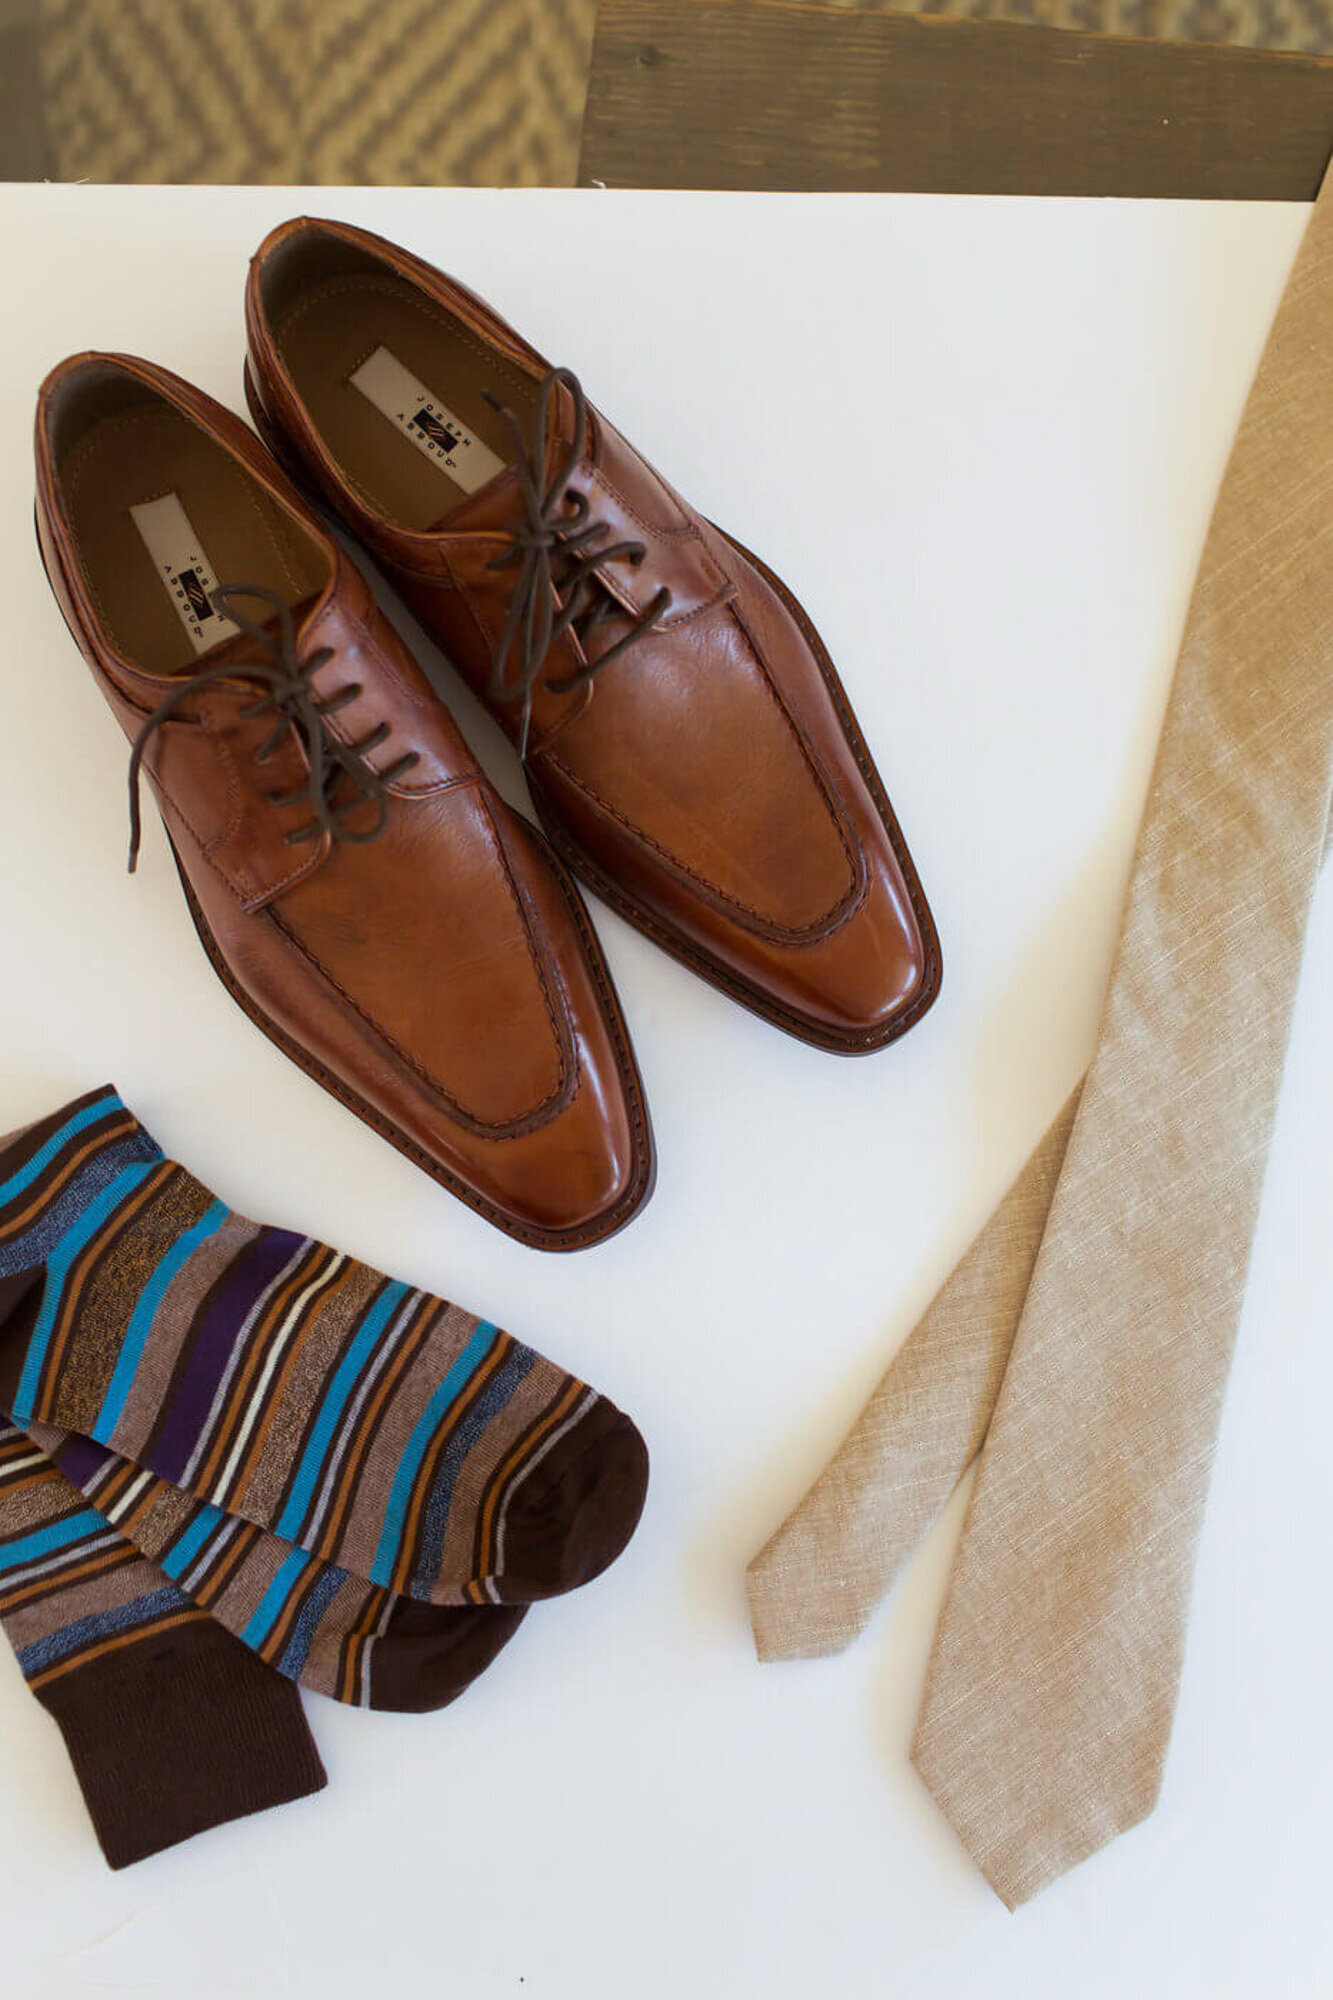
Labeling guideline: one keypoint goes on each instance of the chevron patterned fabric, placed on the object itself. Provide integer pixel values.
(317, 92)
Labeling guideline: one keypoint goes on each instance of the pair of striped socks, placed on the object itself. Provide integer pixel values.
(233, 1459)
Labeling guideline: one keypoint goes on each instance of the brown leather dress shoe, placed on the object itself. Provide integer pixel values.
(360, 888)
(689, 747)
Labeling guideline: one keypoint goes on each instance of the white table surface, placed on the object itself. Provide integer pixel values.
(981, 438)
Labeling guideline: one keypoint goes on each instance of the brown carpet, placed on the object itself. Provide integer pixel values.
(392, 92)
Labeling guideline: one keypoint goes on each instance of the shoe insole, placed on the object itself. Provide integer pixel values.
(160, 513)
(413, 432)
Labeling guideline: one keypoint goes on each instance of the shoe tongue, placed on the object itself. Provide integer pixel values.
(241, 647)
(491, 507)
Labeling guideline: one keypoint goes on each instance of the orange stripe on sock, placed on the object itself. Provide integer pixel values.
(357, 1639)
(114, 1226)
(52, 1188)
(430, 1464)
(249, 1465)
(238, 1394)
(360, 1445)
(115, 1645)
(108, 1559)
(501, 1478)
(229, 1562)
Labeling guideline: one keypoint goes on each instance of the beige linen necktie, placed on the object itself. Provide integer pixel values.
(1083, 1343)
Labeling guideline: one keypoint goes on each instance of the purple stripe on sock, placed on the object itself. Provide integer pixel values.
(214, 1338)
(79, 1458)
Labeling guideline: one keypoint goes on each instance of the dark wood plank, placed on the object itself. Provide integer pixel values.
(25, 151)
(763, 94)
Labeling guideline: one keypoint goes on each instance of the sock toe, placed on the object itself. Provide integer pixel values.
(429, 1654)
(576, 1511)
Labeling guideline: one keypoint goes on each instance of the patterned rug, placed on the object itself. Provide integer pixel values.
(393, 92)
(323, 92)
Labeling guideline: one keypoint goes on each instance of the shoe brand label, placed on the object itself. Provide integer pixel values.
(424, 420)
(187, 575)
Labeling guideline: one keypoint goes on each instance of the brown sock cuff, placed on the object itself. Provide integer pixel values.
(172, 1738)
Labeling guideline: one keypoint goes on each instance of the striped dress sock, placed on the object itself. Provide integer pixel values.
(221, 1432)
(172, 1725)
(312, 1620)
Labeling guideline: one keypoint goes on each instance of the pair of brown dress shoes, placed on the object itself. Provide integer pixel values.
(360, 887)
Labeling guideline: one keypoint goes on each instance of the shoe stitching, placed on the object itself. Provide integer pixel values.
(715, 971)
(634, 912)
(365, 622)
(433, 1168)
(687, 531)
(843, 907)
(429, 309)
(82, 457)
(240, 794)
(556, 1099)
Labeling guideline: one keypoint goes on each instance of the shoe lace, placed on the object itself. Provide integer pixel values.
(556, 547)
(286, 692)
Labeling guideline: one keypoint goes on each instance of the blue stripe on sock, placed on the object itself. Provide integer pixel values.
(297, 1650)
(42, 1159)
(58, 1269)
(266, 1617)
(183, 1551)
(141, 1320)
(466, 1366)
(335, 1402)
(143, 1610)
(55, 1535)
(518, 1363)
